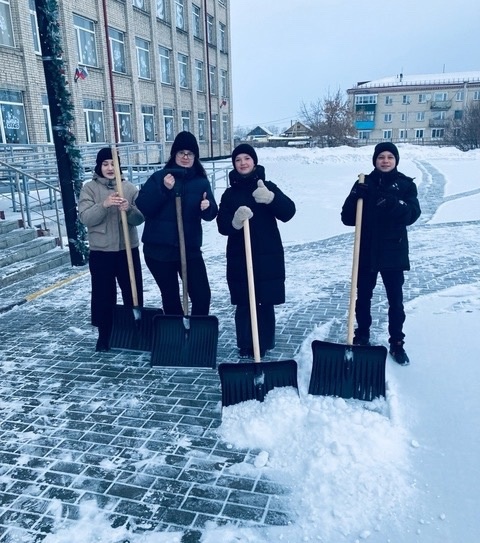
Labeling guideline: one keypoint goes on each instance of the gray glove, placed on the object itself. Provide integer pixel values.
(243, 213)
(262, 195)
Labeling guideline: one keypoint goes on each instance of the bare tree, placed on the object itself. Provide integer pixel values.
(330, 119)
(465, 132)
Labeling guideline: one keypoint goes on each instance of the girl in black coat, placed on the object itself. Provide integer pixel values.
(390, 205)
(251, 197)
(185, 176)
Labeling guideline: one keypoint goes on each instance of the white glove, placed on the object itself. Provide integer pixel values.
(262, 195)
(243, 213)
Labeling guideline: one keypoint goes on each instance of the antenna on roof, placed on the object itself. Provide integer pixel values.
(443, 68)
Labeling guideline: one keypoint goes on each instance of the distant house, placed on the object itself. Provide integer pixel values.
(259, 134)
(297, 130)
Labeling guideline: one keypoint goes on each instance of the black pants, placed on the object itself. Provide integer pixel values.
(266, 326)
(166, 275)
(106, 268)
(393, 281)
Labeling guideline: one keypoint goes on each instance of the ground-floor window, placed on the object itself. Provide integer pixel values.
(94, 125)
(124, 122)
(148, 116)
(13, 126)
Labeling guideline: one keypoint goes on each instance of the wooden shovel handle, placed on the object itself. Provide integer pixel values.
(183, 254)
(126, 233)
(251, 291)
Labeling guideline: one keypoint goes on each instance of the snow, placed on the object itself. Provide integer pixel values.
(400, 469)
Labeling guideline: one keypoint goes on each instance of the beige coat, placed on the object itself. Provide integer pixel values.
(104, 225)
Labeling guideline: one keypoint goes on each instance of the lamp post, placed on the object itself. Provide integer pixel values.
(407, 103)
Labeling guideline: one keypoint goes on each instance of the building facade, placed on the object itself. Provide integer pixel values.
(415, 109)
(171, 71)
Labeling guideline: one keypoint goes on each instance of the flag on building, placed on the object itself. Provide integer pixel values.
(80, 73)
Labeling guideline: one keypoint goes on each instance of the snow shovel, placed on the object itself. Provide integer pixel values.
(132, 326)
(254, 380)
(349, 371)
(188, 341)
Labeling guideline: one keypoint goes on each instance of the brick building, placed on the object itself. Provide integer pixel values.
(170, 62)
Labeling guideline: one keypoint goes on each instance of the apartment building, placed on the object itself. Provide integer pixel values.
(170, 63)
(412, 108)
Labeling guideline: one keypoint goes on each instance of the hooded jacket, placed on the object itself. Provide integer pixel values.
(267, 248)
(104, 226)
(390, 205)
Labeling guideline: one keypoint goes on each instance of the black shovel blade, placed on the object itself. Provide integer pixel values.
(254, 380)
(189, 342)
(131, 333)
(348, 371)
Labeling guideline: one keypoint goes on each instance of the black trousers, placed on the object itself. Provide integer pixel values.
(393, 281)
(166, 275)
(106, 268)
(266, 326)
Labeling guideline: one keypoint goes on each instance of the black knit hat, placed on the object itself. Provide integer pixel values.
(104, 154)
(386, 146)
(244, 148)
(185, 141)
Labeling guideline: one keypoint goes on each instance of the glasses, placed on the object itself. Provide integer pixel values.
(185, 154)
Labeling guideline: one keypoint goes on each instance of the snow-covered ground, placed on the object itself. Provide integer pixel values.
(400, 470)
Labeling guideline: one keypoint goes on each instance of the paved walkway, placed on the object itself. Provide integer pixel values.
(141, 441)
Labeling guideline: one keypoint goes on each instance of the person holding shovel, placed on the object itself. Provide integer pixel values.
(183, 175)
(250, 197)
(99, 209)
(390, 205)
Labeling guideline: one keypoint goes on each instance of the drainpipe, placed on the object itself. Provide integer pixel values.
(207, 58)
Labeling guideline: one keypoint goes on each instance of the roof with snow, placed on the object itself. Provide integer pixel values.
(422, 79)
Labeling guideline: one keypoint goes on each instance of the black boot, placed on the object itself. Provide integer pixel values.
(398, 353)
(103, 340)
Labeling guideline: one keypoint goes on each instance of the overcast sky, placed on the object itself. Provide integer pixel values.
(285, 52)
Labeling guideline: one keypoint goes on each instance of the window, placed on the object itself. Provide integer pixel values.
(215, 127)
(458, 114)
(225, 128)
(117, 48)
(420, 115)
(387, 134)
(403, 117)
(222, 37)
(201, 127)
(405, 99)
(363, 135)
(476, 95)
(439, 115)
(6, 28)
(85, 36)
(183, 71)
(213, 79)
(423, 98)
(440, 96)
(124, 122)
(199, 76)
(34, 24)
(168, 124)
(210, 30)
(148, 117)
(419, 133)
(388, 100)
(403, 134)
(387, 117)
(46, 119)
(94, 127)
(437, 133)
(165, 72)
(13, 127)
(459, 96)
(161, 9)
(143, 58)
(223, 83)
(186, 120)
(180, 14)
(361, 99)
(196, 21)
(140, 4)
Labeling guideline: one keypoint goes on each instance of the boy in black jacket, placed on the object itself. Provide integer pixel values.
(390, 205)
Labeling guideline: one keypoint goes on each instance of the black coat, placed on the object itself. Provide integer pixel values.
(390, 205)
(267, 248)
(157, 203)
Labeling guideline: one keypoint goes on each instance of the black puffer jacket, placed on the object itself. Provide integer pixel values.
(157, 203)
(390, 205)
(267, 247)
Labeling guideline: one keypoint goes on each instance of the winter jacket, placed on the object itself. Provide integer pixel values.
(267, 247)
(390, 205)
(157, 203)
(104, 225)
